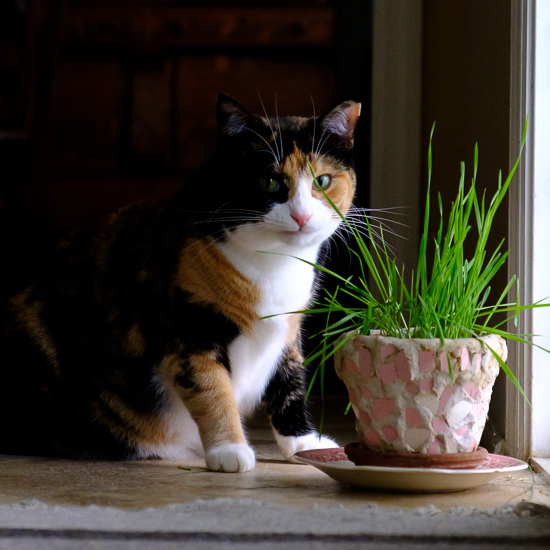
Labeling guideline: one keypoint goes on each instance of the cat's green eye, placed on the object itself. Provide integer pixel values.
(324, 181)
(271, 185)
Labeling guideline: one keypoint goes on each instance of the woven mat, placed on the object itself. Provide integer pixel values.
(251, 523)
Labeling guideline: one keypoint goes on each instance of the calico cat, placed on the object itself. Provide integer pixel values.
(144, 335)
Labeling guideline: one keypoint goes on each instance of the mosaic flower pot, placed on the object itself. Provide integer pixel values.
(403, 397)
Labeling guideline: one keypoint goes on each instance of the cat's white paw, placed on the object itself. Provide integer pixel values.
(291, 445)
(231, 457)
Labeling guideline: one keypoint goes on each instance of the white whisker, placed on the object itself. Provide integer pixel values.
(387, 229)
(318, 148)
(387, 222)
(323, 141)
(314, 122)
(265, 141)
(330, 150)
(385, 209)
(279, 153)
(279, 124)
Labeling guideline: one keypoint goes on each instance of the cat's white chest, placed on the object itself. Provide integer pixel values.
(285, 286)
(253, 358)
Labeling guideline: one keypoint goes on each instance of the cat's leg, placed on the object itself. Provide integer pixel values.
(206, 390)
(285, 397)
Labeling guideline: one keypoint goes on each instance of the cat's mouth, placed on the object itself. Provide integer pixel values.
(298, 233)
(299, 237)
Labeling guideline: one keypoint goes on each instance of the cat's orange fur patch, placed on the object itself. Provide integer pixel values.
(294, 368)
(213, 407)
(294, 323)
(294, 165)
(340, 192)
(135, 342)
(127, 424)
(212, 280)
(28, 316)
(295, 355)
(342, 188)
(169, 368)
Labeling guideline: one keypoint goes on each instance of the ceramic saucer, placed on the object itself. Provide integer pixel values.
(335, 463)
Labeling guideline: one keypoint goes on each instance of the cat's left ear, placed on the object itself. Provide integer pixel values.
(342, 121)
(232, 117)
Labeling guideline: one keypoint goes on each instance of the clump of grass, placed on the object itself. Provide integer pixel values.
(448, 299)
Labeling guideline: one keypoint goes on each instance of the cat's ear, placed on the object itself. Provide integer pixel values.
(232, 117)
(342, 121)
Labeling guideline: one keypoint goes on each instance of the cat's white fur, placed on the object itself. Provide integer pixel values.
(291, 445)
(285, 285)
(230, 457)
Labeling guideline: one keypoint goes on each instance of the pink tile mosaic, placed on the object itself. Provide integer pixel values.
(478, 409)
(352, 396)
(367, 394)
(444, 361)
(426, 384)
(472, 391)
(462, 430)
(464, 359)
(390, 433)
(364, 417)
(413, 417)
(418, 409)
(365, 362)
(382, 407)
(439, 425)
(372, 438)
(349, 365)
(426, 361)
(387, 373)
(402, 366)
(416, 437)
(477, 362)
(445, 396)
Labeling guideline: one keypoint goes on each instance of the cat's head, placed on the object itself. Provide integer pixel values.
(265, 190)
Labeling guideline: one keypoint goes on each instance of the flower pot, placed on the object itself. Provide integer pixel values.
(407, 399)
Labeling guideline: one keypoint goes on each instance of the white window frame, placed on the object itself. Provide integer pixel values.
(528, 427)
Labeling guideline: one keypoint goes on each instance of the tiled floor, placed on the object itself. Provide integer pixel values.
(159, 483)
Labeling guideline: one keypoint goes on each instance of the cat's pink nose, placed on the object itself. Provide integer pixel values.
(300, 219)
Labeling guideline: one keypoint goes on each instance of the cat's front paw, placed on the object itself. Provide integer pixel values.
(231, 457)
(290, 445)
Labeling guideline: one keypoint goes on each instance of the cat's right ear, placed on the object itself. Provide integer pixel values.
(342, 121)
(232, 117)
